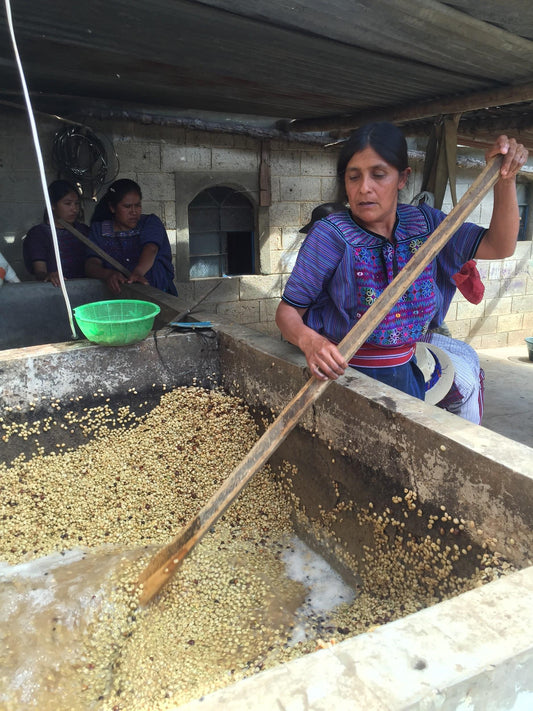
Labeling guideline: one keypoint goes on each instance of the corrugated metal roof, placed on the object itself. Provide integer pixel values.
(278, 58)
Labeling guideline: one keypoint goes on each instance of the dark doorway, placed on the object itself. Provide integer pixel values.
(221, 234)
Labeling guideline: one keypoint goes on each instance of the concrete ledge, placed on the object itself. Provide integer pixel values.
(65, 369)
(407, 665)
(35, 312)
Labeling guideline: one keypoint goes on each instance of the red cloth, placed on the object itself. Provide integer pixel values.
(469, 282)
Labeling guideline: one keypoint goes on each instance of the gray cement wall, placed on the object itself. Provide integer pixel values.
(34, 313)
(168, 161)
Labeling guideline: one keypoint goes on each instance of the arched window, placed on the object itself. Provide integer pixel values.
(221, 234)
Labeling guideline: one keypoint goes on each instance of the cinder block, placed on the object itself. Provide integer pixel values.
(240, 311)
(306, 208)
(172, 240)
(267, 327)
(150, 132)
(510, 322)
(484, 325)
(136, 157)
(284, 213)
(516, 338)
(285, 163)
(153, 207)
(17, 153)
(467, 310)
(186, 291)
(486, 207)
(523, 250)
(18, 217)
(318, 164)
(493, 289)
(494, 340)
(461, 329)
(328, 189)
(201, 139)
(275, 190)
(528, 323)
(514, 286)
(247, 142)
(283, 262)
(169, 211)
(267, 309)
(522, 304)
(496, 307)
(274, 239)
(509, 268)
(226, 289)
(228, 140)
(284, 146)
(475, 341)
(177, 158)
(300, 189)
(157, 186)
(17, 186)
(292, 238)
(495, 269)
(260, 287)
(234, 159)
(477, 216)
(452, 312)
(483, 267)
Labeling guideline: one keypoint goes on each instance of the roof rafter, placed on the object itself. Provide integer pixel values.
(416, 111)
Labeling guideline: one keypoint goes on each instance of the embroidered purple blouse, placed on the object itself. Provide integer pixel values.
(37, 246)
(341, 269)
(126, 248)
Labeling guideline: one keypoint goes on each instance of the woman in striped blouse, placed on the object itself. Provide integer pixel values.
(349, 257)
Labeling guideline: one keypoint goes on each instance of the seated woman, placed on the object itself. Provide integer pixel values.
(38, 248)
(139, 242)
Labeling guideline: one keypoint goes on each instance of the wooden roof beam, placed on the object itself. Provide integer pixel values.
(415, 111)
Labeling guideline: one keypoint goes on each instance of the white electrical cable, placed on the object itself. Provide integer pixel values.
(41, 169)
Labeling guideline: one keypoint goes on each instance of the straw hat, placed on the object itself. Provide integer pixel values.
(438, 370)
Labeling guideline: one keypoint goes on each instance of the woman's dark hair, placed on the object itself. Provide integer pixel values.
(115, 194)
(57, 190)
(383, 137)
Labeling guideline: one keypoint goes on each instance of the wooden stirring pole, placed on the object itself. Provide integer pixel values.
(105, 256)
(165, 562)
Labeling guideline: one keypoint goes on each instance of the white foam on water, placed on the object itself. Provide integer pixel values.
(38, 567)
(326, 588)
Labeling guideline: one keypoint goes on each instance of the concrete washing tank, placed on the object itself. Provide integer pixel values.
(365, 440)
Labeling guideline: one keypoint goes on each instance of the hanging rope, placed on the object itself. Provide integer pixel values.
(81, 158)
(41, 168)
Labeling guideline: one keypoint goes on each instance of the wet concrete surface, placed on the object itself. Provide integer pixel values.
(508, 392)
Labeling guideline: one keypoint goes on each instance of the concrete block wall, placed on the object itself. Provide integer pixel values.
(302, 176)
(504, 317)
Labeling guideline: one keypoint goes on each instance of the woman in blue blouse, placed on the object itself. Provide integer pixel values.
(139, 242)
(349, 258)
(38, 247)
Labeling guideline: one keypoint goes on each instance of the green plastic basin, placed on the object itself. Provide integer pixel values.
(118, 322)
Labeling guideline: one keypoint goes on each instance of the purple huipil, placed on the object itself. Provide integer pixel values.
(126, 248)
